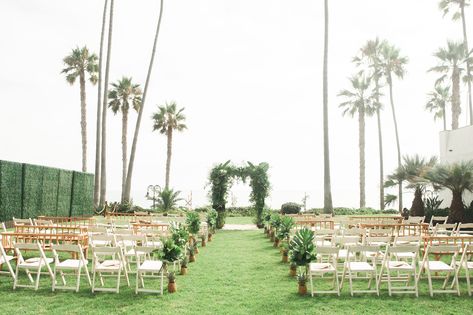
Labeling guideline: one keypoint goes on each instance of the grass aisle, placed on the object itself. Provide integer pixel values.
(237, 273)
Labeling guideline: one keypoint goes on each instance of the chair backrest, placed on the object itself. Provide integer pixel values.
(19, 247)
(108, 239)
(325, 232)
(434, 220)
(43, 222)
(17, 221)
(130, 240)
(405, 240)
(403, 249)
(104, 252)
(3, 227)
(70, 248)
(415, 220)
(445, 229)
(464, 228)
(372, 240)
(358, 251)
(354, 231)
(442, 249)
(123, 232)
(97, 230)
(328, 254)
(380, 232)
(344, 241)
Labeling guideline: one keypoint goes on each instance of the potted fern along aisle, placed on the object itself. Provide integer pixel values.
(302, 252)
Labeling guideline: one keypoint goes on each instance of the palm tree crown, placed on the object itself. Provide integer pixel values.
(80, 62)
(437, 102)
(122, 94)
(446, 5)
(359, 99)
(451, 58)
(391, 62)
(168, 118)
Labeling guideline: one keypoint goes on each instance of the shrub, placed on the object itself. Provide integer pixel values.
(284, 229)
(179, 234)
(193, 222)
(290, 208)
(212, 220)
(170, 251)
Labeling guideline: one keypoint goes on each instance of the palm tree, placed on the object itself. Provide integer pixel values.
(457, 177)
(79, 64)
(166, 120)
(362, 100)
(370, 57)
(99, 110)
(328, 206)
(451, 61)
(445, 6)
(413, 170)
(392, 64)
(124, 93)
(103, 153)
(438, 100)
(129, 175)
(168, 199)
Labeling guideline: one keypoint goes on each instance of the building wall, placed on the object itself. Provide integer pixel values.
(456, 145)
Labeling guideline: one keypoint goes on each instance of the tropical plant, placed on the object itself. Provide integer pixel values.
(328, 206)
(168, 199)
(459, 7)
(438, 100)
(81, 64)
(451, 64)
(432, 204)
(140, 113)
(171, 251)
(167, 120)
(301, 247)
(456, 177)
(212, 220)
(179, 234)
(284, 230)
(392, 64)
(193, 222)
(389, 199)
(361, 100)
(103, 149)
(123, 94)
(302, 277)
(98, 130)
(370, 58)
(275, 221)
(266, 217)
(413, 171)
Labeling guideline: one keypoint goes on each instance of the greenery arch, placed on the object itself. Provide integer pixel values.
(222, 177)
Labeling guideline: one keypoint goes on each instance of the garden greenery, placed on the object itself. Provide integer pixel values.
(301, 247)
(222, 177)
(179, 234)
(193, 222)
(212, 220)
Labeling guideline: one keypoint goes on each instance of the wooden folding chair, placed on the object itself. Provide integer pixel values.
(356, 263)
(17, 221)
(406, 270)
(74, 264)
(31, 265)
(108, 261)
(438, 266)
(147, 268)
(5, 260)
(414, 220)
(327, 263)
(466, 265)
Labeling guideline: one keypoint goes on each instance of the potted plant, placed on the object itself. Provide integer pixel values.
(266, 219)
(293, 269)
(275, 221)
(184, 263)
(285, 252)
(171, 282)
(170, 252)
(302, 252)
(302, 280)
(211, 222)
(203, 239)
(191, 251)
(179, 234)
(193, 224)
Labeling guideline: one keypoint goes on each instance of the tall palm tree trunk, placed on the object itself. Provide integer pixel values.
(103, 167)
(140, 113)
(456, 110)
(83, 121)
(381, 162)
(124, 149)
(444, 118)
(390, 82)
(456, 208)
(465, 40)
(169, 153)
(361, 144)
(418, 208)
(328, 206)
(99, 111)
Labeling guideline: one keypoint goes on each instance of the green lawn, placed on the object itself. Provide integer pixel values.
(239, 220)
(239, 272)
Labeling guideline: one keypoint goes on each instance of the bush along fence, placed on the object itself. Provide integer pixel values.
(27, 191)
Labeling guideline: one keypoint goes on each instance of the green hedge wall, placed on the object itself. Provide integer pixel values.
(28, 191)
(11, 177)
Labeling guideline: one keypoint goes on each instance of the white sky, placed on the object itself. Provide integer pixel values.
(249, 73)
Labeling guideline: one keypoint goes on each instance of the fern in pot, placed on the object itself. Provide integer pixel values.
(302, 252)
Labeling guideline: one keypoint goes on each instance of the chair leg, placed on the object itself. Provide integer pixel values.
(162, 281)
(93, 281)
(38, 275)
(389, 282)
(468, 285)
(87, 274)
(430, 282)
(118, 280)
(53, 288)
(350, 281)
(79, 272)
(311, 285)
(15, 281)
(137, 276)
(336, 282)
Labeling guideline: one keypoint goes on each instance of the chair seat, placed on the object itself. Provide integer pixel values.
(109, 265)
(371, 255)
(469, 264)
(438, 266)
(399, 265)
(6, 259)
(70, 264)
(378, 243)
(360, 266)
(151, 266)
(35, 262)
(321, 267)
(100, 243)
(132, 252)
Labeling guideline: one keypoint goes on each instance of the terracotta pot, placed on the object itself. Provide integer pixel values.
(183, 270)
(293, 272)
(172, 287)
(276, 243)
(302, 289)
(204, 243)
(209, 239)
(273, 238)
(285, 258)
(191, 258)
(196, 250)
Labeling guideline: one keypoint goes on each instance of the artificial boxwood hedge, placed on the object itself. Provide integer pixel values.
(28, 191)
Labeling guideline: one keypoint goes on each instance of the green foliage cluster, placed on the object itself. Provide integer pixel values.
(354, 211)
(168, 199)
(284, 230)
(212, 220)
(179, 234)
(171, 251)
(31, 190)
(275, 221)
(290, 208)
(193, 222)
(301, 247)
(222, 177)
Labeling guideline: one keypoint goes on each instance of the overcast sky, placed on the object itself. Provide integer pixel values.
(249, 74)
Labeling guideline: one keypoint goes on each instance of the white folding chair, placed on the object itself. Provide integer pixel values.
(128, 243)
(464, 229)
(448, 229)
(382, 242)
(5, 260)
(323, 237)
(31, 265)
(414, 220)
(354, 232)
(108, 261)
(356, 263)
(438, 266)
(101, 240)
(147, 268)
(434, 220)
(327, 263)
(3, 228)
(406, 270)
(466, 265)
(343, 242)
(380, 232)
(17, 221)
(74, 264)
